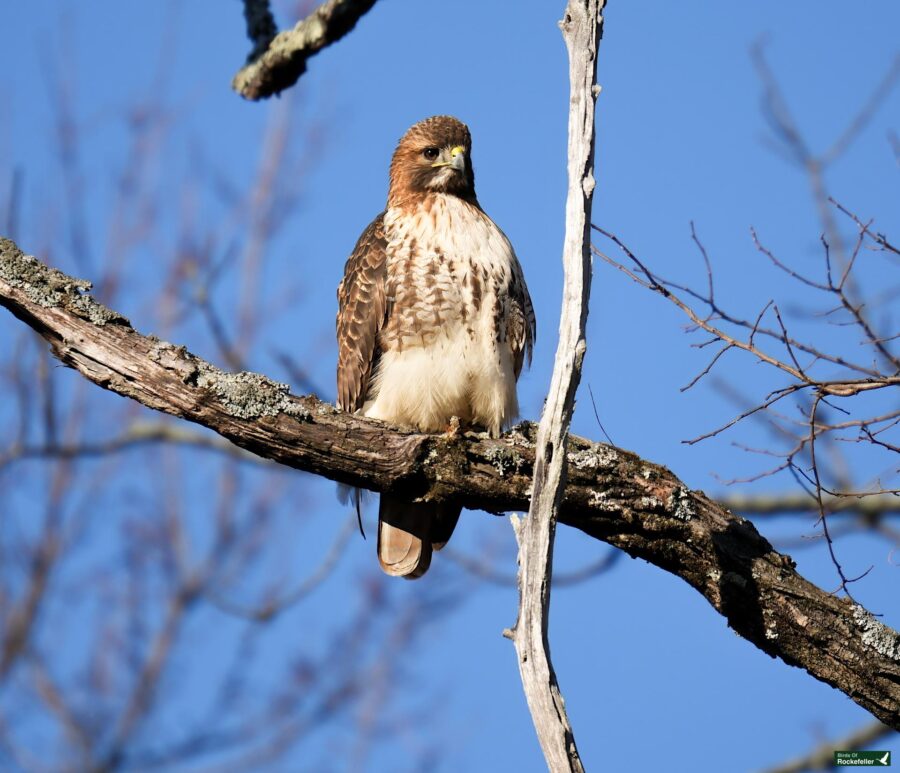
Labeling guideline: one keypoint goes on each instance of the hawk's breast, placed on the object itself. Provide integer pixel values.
(444, 343)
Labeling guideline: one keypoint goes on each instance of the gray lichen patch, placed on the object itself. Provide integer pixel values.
(523, 434)
(163, 352)
(602, 501)
(51, 288)
(607, 456)
(249, 395)
(876, 635)
(769, 623)
(593, 458)
(504, 460)
(650, 503)
(680, 504)
(584, 460)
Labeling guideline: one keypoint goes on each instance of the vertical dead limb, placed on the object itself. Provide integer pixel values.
(581, 27)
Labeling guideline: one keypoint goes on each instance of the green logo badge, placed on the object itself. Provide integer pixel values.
(862, 759)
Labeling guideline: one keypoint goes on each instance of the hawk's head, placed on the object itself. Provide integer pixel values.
(434, 156)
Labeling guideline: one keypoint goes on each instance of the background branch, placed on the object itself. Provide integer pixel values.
(870, 508)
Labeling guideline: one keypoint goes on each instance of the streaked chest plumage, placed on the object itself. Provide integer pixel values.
(448, 267)
(444, 343)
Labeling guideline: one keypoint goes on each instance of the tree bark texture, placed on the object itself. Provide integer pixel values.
(581, 27)
(611, 494)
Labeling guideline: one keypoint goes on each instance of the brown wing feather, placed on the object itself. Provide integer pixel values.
(521, 326)
(362, 308)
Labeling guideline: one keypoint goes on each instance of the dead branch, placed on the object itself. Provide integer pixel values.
(581, 28)
(611, 494)
(275, 64)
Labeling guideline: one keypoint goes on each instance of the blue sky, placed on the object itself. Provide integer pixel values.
(643, 661)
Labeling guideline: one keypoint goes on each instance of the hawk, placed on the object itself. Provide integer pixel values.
(434, 321)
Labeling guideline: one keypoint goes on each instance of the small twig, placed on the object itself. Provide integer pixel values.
(878, 238)
(789, 271)
(821, 504)
(865, 114)
(597, 417)
(707, 369)
(709, 273)
(787, 343)
(661, 286)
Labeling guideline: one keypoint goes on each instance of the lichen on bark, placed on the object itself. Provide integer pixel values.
(51, 288)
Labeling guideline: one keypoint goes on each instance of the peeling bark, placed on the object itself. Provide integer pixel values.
(611, 494)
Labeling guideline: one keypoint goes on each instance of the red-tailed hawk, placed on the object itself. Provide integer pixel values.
(434, 321)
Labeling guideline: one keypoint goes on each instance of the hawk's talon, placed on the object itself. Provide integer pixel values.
(454, 426)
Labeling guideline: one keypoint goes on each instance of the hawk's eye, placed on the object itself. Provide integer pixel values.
(430, 153)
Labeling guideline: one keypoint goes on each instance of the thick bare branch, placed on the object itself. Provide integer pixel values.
(611, 494)
(283, 60)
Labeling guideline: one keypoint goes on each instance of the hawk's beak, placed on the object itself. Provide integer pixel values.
(455, 159)
(458, 156)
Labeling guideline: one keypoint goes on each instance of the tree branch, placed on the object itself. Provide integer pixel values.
(868, 508)
(611, 494)
(581, 26)
(276, 64)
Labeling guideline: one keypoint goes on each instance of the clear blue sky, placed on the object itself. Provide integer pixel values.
(643, 661)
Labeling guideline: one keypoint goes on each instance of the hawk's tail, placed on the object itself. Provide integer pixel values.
(409, 531)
